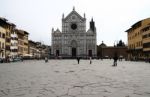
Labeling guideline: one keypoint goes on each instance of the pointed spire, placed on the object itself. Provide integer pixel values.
(84, 15)
(92, 19)
(52, 30)
(73, 8)
(92, 25)
(63, 16)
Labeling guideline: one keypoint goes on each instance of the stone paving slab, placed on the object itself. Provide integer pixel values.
(66, 78)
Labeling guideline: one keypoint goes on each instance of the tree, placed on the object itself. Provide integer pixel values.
(121, 43)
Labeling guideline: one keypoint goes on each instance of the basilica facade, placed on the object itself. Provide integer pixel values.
(74, 41)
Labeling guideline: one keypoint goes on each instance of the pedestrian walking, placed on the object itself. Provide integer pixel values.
(78, 59)
(115, 60)
(90, 60)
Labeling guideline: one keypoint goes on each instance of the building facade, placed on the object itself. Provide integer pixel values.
(110, 51)
(14, 44)
(22, 43)
(146, 40)
(105, 51)
(6, 29)
(9, 29)
(74, 40)
(2, 38)
(34, 50)
(138, 40)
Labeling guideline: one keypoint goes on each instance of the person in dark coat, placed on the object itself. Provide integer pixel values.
(78, 59)
(115, 59)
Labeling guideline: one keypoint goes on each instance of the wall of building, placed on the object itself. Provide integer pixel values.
(135, 39)
(146, 41)
(111, 51)
(14, 44)
(2, 42)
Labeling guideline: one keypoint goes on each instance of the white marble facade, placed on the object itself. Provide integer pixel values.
(74, 40)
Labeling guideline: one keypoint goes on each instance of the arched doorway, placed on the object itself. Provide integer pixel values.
(57, 52)
(73, 48)
(74, 52)
(90, 53)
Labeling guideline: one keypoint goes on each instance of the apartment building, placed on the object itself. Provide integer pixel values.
(2, 37)
(6, 29)
(146, 40)
(138, 42)
(33, 49)
(14, 44)
(22, 42)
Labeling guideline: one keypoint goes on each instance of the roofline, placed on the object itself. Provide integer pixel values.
(76, 13)
(116, 47)
(128, 30)
(19, 30)
(135, 24)
(12, 24)
(4, 19)
(31, 41)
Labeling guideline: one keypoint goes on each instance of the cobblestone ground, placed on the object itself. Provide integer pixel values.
(66, 78)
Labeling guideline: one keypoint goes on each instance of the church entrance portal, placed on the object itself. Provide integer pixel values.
(57, 52)
(90, 53)
(74, 52)
(74, 48)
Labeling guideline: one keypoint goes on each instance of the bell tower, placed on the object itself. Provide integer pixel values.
(92, 25)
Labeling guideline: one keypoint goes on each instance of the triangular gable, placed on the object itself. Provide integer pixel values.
(89, 31)
(57, 31)
(71, 13)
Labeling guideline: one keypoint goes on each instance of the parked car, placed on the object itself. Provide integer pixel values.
(15, 59)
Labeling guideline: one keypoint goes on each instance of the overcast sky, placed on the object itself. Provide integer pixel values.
(112, 17)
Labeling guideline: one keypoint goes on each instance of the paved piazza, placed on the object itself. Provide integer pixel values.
(66, 78)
